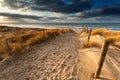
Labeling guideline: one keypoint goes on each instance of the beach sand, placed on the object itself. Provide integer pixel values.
(60, 59)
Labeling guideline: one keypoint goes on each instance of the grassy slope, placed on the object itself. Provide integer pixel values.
(20, 39)
(112, 37)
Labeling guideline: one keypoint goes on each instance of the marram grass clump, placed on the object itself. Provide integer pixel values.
(110, 36)
(90, 44)
(20, 39)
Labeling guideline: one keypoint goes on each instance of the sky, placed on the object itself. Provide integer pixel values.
(36, 11)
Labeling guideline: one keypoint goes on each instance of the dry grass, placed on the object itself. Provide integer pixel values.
(90, 44)
(84, 32)
(110, 36)
(20, 39)
(102, 32)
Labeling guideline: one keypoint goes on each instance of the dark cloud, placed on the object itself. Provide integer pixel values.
(49, 2)
(16, 3)
(104, 11)
(20, 16)
(105, 7)
(101, 3)
(60, 6)
(50, 5)
(74, 6)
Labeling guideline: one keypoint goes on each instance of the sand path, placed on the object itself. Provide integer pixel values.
(60, 59)
(52, 60)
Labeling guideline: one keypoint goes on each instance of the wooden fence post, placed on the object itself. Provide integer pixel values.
(102, 58)
(87, 30)
(8, 47)
(89, 35)
(43, 33)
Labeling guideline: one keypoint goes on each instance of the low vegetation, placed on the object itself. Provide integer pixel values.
(90, 44)
(112, 37)
(20, 39)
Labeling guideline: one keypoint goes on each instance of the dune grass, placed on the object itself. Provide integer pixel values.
(20, 39)
(110, 36)
(89, 44)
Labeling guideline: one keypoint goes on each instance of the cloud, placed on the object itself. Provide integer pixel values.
(53, 10)
(15, 20)
(103, 11)
(20, 16)
(60, 6)
(15, 3)
(49, 5)
(49, 2)
(101, 3)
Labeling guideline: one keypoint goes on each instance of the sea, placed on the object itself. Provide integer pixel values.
(75, 26)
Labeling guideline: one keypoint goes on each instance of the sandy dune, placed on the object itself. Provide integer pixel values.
(60, 59)
(53, 60)
(88, 61)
